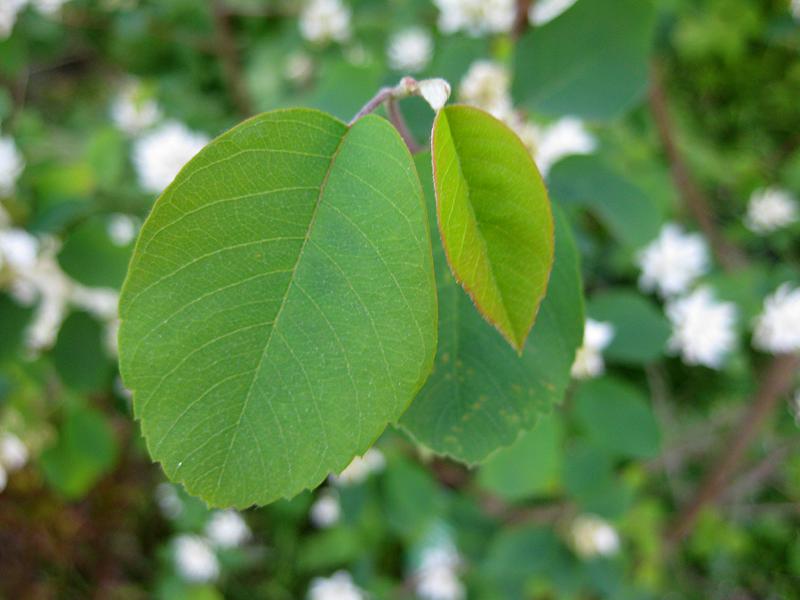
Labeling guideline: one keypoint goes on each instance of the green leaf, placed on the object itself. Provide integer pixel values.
(530, 467)
(494, 218)
(640, 328)
(591, 62)
(13, 321)
(617, 417)
(85, 451)
(78, 354)
(90, 256)
(481, 393)
(280, 307)
(630, 214)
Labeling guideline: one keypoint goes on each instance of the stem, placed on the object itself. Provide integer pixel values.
(229, 58)
(382, 96)
(521, 18)
(695, 200)
(776, 381)
(397, 119)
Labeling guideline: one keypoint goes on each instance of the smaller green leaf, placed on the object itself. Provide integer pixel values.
(530, 467)
(91, 257)
(13, 321)
(494, 218)
(640, 329)
(85, 451)
(78, 354)
(616, 416)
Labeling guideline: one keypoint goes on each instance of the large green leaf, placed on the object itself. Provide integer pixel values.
(482, 394)
(494, 218)
(280, 306)
(590, 62)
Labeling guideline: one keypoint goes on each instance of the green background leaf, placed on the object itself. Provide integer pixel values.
(616, 416)
(494, 217)
(590, 62)
(640, 329)
(481, 393)
(280, 308)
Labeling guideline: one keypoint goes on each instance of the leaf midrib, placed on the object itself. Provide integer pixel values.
(481, 237)
(278, 314)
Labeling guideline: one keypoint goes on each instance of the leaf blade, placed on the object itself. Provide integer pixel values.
(494, 218)
(310, 216)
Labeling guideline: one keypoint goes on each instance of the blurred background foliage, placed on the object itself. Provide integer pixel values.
(579, 507)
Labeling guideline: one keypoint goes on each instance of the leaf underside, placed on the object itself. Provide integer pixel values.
(481, 394)
(494, 218)
(280, 306)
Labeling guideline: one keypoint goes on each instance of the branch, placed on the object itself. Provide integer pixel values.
(521, 18)
(397, 119)
(693, 197)
(776, 381)
(225, 49)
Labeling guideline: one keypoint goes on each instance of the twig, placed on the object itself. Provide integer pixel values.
(776, 380)
(521, 18)
(729, 256)
(397, 119)
(229, 58)
(376, 101)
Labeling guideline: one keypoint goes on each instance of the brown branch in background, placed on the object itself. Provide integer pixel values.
(776, 380)
(225, 48)
(521, 18)
(693, 197)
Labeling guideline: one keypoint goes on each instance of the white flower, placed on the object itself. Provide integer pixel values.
(703, 329)
(326, 511)
(9, 9)
(476, 17)
(770, 209)
(299, 67)
(168, 500)
(338, 586)
(100, 302)
(435, 92)
(550, 143)
(592, 536)
(543, 11)
(133, 110)
(11, 165)
(195, 560)
(227, 529)
(324, 20)
(436, 577)
(777, 328)
(360, 468)
(589, 358)
(18, 249)
(160, 155)
(13, 453)
(672, 262)
(410, 50)
(486, 85)
(122, 229)
(48, 7)
(795, 8)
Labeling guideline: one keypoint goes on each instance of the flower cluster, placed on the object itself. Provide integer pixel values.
(339, 586)
(324, 21)
(410, 50)
(436, 575)
(777, 328)
(770, 209)
(703, 328)
(10, 9)
(672, 262)
(360, 468)
(592, 536)
(13, 456)
(195, 556)
(589, 357)
(160, 155)
(476, 17)
(11, 166)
